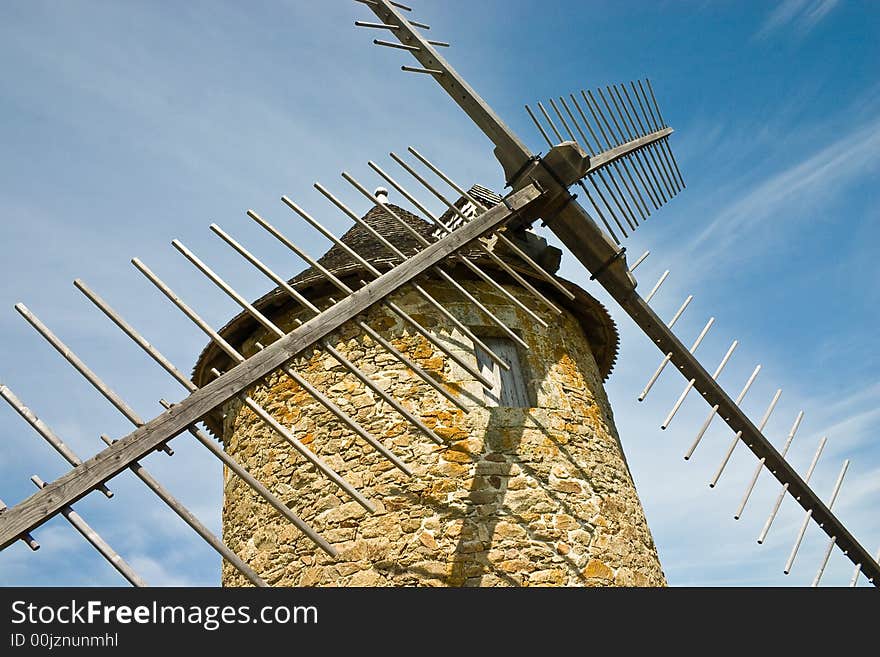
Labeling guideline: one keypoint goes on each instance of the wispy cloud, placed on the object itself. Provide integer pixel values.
(799, 16)
(850, 421)
(157, 574)
(816, 177)
(821, 175)
(154, 93)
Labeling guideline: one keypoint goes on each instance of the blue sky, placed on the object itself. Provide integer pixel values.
(124, 125)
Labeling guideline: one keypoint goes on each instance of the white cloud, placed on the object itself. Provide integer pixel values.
(799, 16)
(787, 196)
(699, 542)
(155, 573)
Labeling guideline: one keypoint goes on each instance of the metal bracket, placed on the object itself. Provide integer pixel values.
(608, 263)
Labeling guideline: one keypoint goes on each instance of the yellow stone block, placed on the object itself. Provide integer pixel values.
(597, 570)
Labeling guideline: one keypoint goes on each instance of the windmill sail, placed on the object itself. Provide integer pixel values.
(600, 253)
(626, 168)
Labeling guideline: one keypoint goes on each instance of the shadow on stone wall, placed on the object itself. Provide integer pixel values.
(494, 469)
(515, 497)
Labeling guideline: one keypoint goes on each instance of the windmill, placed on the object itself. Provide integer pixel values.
(612, 143)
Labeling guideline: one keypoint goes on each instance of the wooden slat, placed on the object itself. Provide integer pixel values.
(604, 260)
(36, 509)
(511, 152)
(609, 156)
(581, 236)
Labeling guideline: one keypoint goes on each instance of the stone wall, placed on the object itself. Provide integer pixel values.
(535, 496)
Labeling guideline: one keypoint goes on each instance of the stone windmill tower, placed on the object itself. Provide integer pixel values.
(424, 404)
(532, 487)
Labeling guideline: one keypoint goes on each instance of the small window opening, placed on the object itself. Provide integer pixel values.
(509, 386)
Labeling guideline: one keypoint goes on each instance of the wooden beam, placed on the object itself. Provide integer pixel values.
(737, 420)
(609, 156)
(509, 150)
(606, 262)
(77, 483)
(584, 239)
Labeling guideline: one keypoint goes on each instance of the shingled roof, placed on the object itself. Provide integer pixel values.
(598, 325)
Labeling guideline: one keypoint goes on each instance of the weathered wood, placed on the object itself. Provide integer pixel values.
(484, 248)
(611, 155)
(48, 501)
(511, 152)
(135, 467)
(138, 339)
(265, 321)
(79, 365)
(390, 44)
(525, 257)
(93, 537)
(190, 519)
(606, 262)
(43, 429)
(303, 301)
(509, 387)
(27, 539)
(245, 476)
(236, 357)
(84, 369)
(580, 237)
(427, 296)
(426, 71)
(592, 246)
(169, 367)
(314, 392)
(342, 287)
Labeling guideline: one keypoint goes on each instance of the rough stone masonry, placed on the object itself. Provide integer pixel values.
(536, 496)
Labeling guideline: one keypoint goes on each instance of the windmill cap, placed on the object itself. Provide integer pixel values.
(597, 324)
(381, 194)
